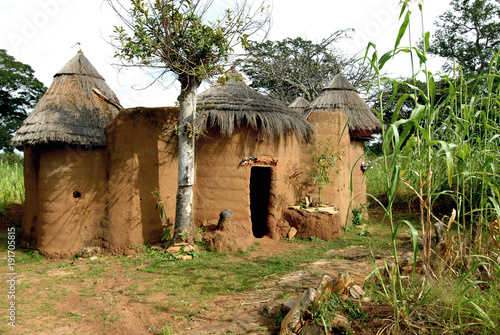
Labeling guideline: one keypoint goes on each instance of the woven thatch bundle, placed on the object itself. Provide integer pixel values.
(74, 110)
(235, 104)
(340, 94)
(300, 105)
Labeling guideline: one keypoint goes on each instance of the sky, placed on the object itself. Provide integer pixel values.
(45, 33)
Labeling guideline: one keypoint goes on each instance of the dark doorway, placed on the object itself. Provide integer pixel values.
(260, 185)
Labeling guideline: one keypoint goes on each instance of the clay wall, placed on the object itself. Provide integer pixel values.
(223, 180)
(29, 229)
(64, 200)
(137, 167)
(330, 126)
(146, 161)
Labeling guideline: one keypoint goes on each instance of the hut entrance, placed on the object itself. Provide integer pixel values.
(260, 186)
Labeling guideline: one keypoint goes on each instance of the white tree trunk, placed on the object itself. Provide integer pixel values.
(184, 222)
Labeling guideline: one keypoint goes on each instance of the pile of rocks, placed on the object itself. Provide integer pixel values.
(294, 323)
(176, 248)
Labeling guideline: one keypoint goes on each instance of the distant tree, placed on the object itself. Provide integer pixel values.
(19, 92)
(176, 36)
(468, 34)
(297, 67)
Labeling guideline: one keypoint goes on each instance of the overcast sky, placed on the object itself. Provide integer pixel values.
(43, 34)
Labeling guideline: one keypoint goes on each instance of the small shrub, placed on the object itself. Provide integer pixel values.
(165, 330)
(32, 256)
(166, 236)
(323, 312)
(358, 214)
(364, 232)
(324, 162)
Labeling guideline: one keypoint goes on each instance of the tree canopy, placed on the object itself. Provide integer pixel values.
(176, 36)
(19, 92)
(297, 67)
(468, 34)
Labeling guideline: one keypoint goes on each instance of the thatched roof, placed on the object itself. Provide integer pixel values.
(74, 110)
(235, 104)
(340, 94)
(299, 105)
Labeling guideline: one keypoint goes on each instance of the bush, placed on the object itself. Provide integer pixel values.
(11, 158)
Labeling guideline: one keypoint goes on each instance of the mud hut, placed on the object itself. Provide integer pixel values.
(340, 107)
(247, 149)
(300, 105)
(89, 183)
(141, 170)
(64, 170)
(339, 94)
(248, 158)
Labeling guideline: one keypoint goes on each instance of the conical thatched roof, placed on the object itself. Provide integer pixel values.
(74, 110)
(235, 104)
(340, 94)
(300, 105)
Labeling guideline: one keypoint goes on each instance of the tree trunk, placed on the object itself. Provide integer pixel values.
(184, 222)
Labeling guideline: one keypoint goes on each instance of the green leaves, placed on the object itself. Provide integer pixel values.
(19, 92)
(402, 29)
(174, 35)
(468, 34)
(325, 158)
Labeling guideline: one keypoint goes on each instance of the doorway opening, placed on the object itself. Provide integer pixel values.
(260, 186)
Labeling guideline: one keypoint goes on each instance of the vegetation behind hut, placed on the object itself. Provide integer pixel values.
(19, 92)
(468, 35)
(297, 67)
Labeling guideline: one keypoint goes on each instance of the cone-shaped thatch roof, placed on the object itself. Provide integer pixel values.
(74, 110)
(340, 94)
(299, 105)
(235, 104)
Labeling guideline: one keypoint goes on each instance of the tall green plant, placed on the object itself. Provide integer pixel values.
(405, 136)
(446, 149)
(325, 159)
(11, 184)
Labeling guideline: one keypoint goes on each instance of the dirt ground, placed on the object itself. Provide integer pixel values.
(103, 306)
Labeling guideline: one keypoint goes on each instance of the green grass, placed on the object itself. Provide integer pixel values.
(219, 273)
(185, 287)
(376, 185)
(445, 155)
(11, 184)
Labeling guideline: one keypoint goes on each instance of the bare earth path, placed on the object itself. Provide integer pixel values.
(249, 308)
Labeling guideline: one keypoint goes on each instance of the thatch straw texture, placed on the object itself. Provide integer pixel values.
(340, 94)
(235, 104)
(74, 110)
(299, 105)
